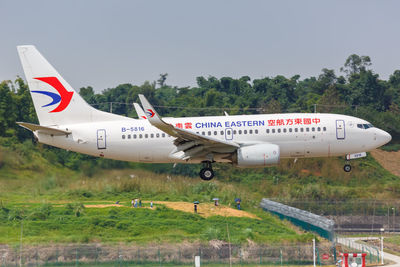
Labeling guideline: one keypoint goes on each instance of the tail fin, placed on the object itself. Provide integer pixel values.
(55, 101)
(140, 112)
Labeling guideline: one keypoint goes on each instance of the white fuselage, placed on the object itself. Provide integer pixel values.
(297, 135)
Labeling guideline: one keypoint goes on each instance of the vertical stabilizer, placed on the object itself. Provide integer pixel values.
(55, 101)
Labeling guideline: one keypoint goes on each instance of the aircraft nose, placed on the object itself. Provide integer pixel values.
(383, 137)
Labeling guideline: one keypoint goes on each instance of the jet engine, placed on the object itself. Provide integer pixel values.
(258, 155)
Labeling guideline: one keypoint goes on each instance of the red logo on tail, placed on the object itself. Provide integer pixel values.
(65, 95)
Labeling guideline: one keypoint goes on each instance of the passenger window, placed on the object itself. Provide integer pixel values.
(250, 131)
(244, 131)
(123, 136)
(222, 132)
(324, 129)
(279, 130)
(197, 132)
(273, 130)
(209, 132)
(267, 131)
(240, 131)
(228, 132)
(157, 135)
(296, 130)
(234, 131)
(134, 136)
(163, 134)
(146, 136)
(203, 133)
(140, 136)
(307, 129)
(301, 130)
(290, 130)
(284, 130)
(313, 129)
(319, 129)
(215, 132)
(129, 136)
(256, 131)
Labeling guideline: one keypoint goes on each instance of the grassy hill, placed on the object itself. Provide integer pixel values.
(49, 198)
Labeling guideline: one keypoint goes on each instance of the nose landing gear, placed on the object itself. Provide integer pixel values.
(347, 168)
(206, 173)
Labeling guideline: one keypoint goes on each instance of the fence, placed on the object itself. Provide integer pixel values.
(353, 244)
(306, 220)
(356, 215)
(220, 255)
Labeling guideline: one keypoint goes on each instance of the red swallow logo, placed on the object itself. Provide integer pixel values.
(65, 96)
(150, 113)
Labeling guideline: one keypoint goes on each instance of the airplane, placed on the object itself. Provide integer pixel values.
(248, 141)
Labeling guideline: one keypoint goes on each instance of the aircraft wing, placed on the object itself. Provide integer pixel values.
(139, 112)
(189, 144)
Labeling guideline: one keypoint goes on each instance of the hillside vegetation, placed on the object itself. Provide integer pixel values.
(46, 188)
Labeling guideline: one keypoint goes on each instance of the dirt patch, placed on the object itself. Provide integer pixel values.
(104, 206)
(203, 209)
(207, 209)
(389, 160)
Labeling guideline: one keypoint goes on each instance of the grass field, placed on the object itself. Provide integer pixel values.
(47, 198)
(70, 223)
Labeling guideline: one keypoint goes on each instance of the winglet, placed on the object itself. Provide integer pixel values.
(153, 116)
(139, 112)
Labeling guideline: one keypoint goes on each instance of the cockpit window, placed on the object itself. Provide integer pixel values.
(364, 126)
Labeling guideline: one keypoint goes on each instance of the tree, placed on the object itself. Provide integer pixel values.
(162, 79)
(355, 64)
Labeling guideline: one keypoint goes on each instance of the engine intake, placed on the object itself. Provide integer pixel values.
(259, 155)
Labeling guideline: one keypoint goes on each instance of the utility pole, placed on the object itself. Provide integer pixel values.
(313, 244)
(388, 220)
(111, 107)
(20, 244)
(315, 108)
(394, 212)
(382, 230)
(229, 243)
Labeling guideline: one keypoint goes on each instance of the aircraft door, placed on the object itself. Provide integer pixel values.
(228, 134)
(101, 139)
(340, 130)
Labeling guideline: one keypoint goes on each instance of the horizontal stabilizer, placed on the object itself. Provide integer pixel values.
(43, 129)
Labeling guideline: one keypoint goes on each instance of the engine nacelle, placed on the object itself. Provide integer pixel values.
(259, 155)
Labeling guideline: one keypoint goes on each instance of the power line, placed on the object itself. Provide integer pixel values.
(216, 108)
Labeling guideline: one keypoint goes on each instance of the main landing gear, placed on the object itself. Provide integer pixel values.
(206, 173)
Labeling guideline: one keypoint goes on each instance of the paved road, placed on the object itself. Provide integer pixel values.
(352, 242)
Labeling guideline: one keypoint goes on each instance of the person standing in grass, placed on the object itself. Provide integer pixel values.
(132, 203)
(151, 204)
(136, 203)
(140, 203)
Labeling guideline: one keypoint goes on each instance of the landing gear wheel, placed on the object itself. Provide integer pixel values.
(347, 168)
(206, 174)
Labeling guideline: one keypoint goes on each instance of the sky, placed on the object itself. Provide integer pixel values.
(106, 43)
